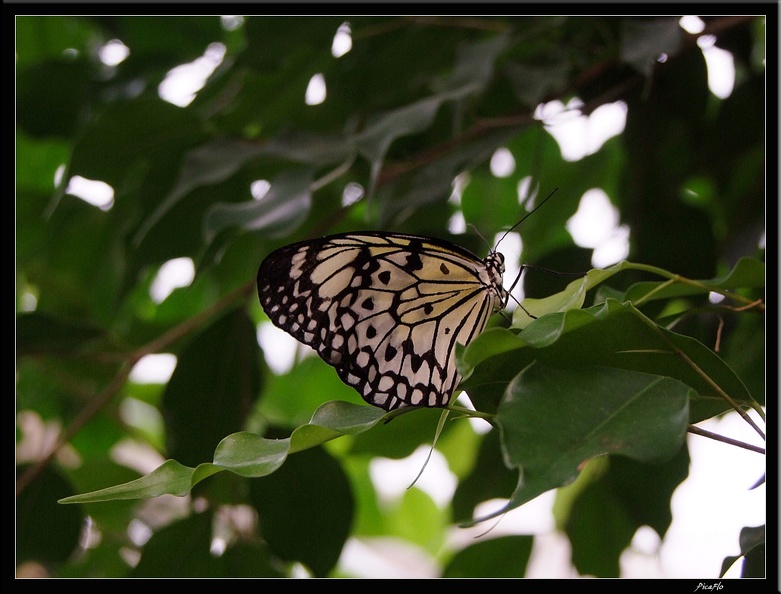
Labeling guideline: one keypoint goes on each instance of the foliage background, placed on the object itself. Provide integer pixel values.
(414, 103)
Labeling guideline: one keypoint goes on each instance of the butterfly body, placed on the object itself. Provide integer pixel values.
(385, 309)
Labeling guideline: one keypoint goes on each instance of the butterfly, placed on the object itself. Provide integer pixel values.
(385, 309)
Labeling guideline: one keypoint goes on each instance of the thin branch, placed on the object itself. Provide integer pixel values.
(116, 383)
(709, 381)
(93, 406)
(715, 436)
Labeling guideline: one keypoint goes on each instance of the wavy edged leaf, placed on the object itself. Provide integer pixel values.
(490, 343)
(747, 273)
(243, 453)
(247, 454)
(334, 419)
(170, 478)
(490, 478)
(596, 412)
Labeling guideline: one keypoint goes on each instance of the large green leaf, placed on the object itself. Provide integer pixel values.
(595, 411)
(605, 516)
(212, 389)
(305, 510)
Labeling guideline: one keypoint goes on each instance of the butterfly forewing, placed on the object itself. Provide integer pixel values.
(386, 310)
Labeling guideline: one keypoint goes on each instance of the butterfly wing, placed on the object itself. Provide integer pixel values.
(386, 310)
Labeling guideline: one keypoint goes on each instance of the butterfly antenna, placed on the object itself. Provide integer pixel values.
(535, 209)
(480, 235)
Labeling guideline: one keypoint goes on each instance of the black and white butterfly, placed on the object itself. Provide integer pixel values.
(385, 309)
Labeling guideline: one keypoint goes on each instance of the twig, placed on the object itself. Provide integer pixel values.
(715, 436)
(116, 383)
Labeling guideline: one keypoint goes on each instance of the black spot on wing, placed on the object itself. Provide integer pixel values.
(414, 263)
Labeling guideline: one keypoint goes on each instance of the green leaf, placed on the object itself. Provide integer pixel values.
(600, 522)
(63, 86)
(41, 160)
(572, 297)
(170, 478)
(504, 201)
(212, 389)
(305, 510)
(332, 420)
(752, 549)
(748, 273)
(605, 515)
(45, 532)
(374, 141)
(39, 38)
(282, 210)
(250, 455)
(614, 335)
(489, 343)
(245, 559)
(597, 412)
(490, 479)
(39, 332)
(503, 557)
(245, 454)
(643, 41)
(180, 549)
(475, 63)
(533, 82)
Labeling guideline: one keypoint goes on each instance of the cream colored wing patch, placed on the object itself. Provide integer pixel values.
(386, 310)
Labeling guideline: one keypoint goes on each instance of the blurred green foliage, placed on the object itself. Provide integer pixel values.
(415, 108)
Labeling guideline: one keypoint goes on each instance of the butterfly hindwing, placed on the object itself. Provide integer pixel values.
(386, 310)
